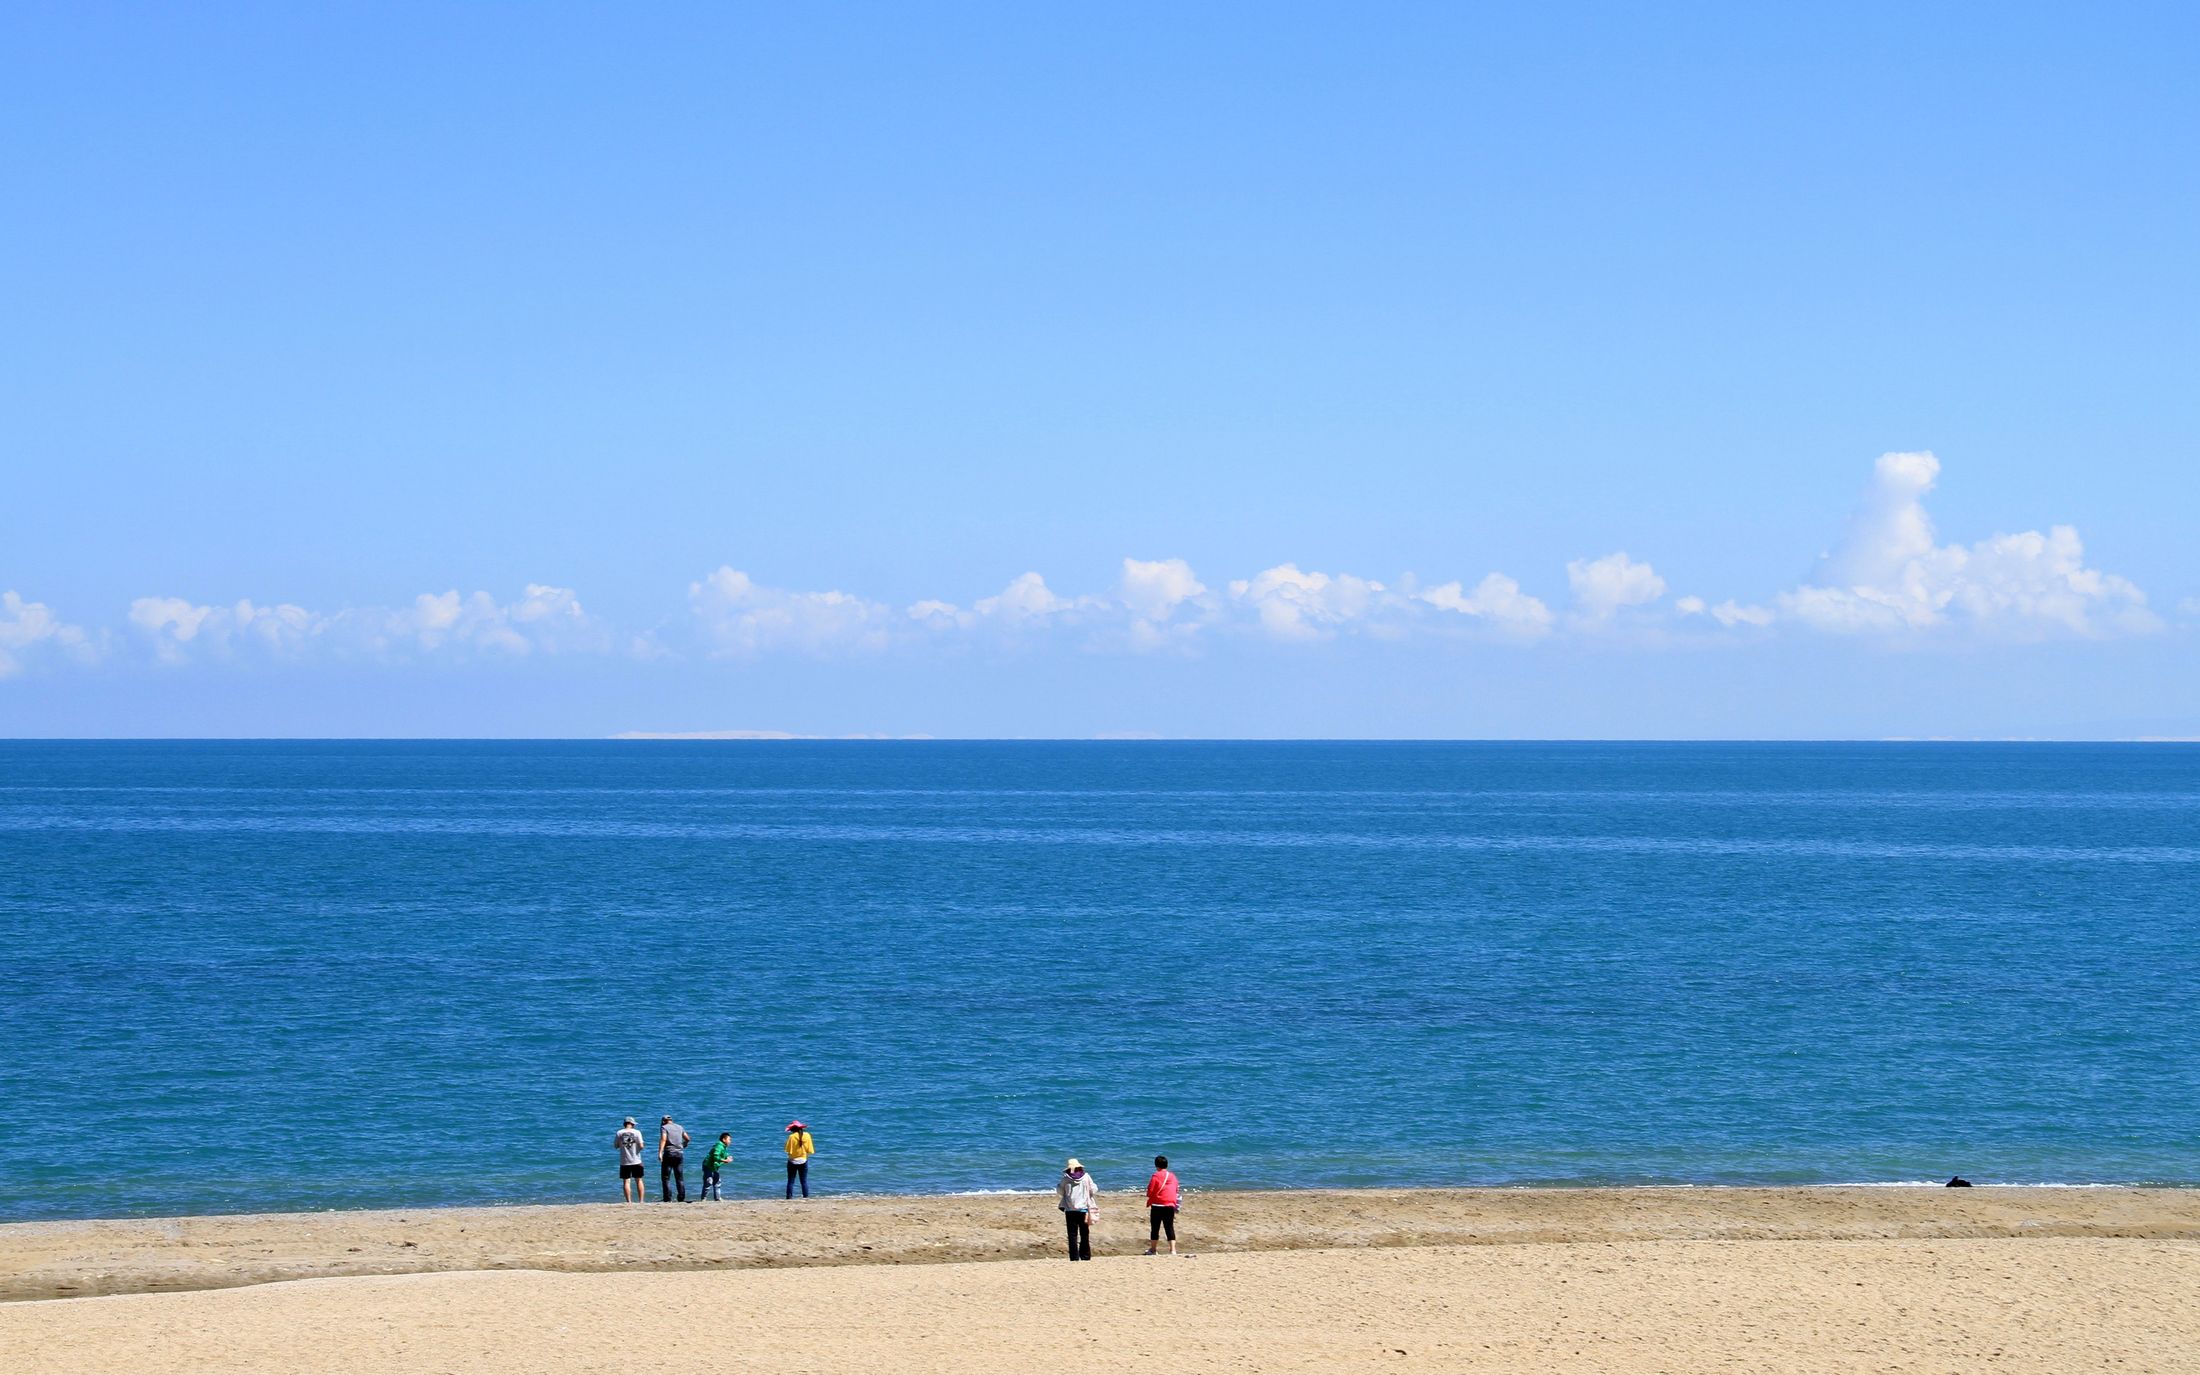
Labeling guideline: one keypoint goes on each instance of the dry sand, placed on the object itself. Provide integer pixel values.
(1597, 1280)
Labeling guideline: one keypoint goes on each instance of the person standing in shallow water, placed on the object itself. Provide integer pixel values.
(1079, 1199)
(799, 1150)
(627, 1141)
(1162, 1195)
(715, 1163)
(672, 1144)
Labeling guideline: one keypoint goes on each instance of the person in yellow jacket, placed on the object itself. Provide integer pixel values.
(799, 1150)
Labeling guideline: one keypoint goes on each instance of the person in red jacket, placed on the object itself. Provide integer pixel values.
(1162, 1194)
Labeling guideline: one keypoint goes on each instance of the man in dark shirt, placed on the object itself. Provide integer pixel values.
(672, 1144)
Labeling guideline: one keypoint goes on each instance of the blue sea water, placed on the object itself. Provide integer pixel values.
(306, 975)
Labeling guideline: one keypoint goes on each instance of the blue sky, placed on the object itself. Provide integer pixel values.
(388, 370)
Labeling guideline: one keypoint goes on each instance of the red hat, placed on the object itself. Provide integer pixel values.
(796, 1127)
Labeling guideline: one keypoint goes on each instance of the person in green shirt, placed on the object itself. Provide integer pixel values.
(720, 1151)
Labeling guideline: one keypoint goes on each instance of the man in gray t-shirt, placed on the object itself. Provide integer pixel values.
(672, 1144)
(628, 1142)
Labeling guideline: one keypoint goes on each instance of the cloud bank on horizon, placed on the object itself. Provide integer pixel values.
(1889, 578)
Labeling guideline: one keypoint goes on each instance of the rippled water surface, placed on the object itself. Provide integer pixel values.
(273, 975)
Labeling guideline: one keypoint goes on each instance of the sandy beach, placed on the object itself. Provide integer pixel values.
(1624, 1280)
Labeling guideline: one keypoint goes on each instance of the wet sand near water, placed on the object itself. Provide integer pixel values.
(128, 1256)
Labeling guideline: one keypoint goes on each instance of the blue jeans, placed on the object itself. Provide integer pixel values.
(798, 1170)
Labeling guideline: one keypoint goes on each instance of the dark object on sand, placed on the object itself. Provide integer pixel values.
(1958, 1182)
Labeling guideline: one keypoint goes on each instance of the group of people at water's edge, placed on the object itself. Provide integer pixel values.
(1076, 1193)
(672, 1144)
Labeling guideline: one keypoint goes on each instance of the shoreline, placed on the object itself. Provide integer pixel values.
(100, 1257)
(1234, 1190)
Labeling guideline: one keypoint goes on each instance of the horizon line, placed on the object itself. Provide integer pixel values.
(790, 737)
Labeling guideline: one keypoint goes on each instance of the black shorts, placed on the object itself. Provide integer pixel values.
(630, 1172)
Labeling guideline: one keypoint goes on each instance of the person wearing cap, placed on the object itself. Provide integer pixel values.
(799, 1150)
(672, 1144)
(627, 1141)
(1079, 1199)
(1163, 1193)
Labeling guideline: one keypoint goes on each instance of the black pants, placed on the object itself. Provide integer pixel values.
(710, 1180)
(669, 1173)
(1161, 1217)
(798, 1170)
(1080, 1234)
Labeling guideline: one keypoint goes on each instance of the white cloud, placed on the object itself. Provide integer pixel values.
(1732, 613)
(31, 629)
(1166, 603)
(1026, 598)
(939, 615)
(1496, 599)
(177, 629)
(544, 605)
(1025, 604)
(548, 619)
(1890, 528)
(173, 617)
(1890, 576)
(736, 617)
(1728, 613)
(1291, 605)
(1604, 587)
(544, 618)
(1154, 590)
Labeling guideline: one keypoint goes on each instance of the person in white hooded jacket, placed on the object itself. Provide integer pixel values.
(1079, 1199)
